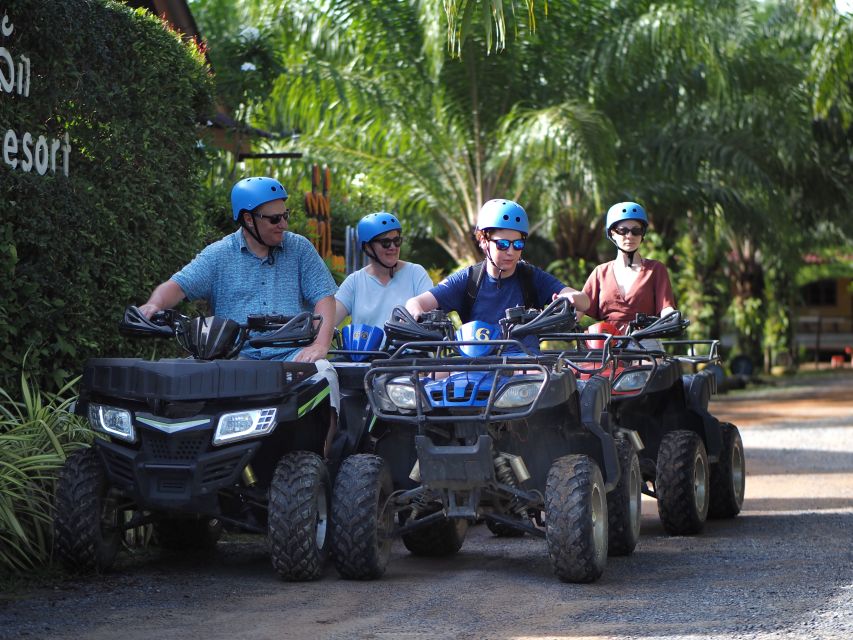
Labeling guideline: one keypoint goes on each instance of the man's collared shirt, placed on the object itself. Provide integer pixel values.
(236, 283)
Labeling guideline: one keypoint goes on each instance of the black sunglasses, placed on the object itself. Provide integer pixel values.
(387, 242)
(276, 218)
(503, 244)
(634, 231)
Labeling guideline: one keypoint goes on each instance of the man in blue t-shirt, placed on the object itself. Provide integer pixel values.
(259, 269)
(502, 229)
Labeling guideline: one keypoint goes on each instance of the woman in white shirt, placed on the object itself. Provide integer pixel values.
(371, 293)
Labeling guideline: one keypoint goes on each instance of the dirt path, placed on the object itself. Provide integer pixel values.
(783, 569)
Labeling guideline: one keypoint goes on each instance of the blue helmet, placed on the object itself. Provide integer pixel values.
(374, 224)
(250, 193)
(624, 211)
(503, 214)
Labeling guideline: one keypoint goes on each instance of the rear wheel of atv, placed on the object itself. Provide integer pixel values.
(85, 528)
(198, 534)
(728, 476)
(502, 530)
(624, 502)
(299, 516)
(362, 523)
(682, 483)
(442, 538)
(576, 519)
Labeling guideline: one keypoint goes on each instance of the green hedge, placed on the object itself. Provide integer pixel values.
(75, 250)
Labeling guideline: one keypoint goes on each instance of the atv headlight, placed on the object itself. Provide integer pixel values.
(402, 393)
(112, 421)
(518, 395)
(632, 380)
(381, 396)
(244, 424)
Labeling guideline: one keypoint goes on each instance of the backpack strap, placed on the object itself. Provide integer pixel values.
(528, 289)
(472, 286)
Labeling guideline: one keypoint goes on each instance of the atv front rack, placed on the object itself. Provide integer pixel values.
(420, 371)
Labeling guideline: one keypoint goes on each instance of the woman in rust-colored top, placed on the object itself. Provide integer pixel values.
(630, 284)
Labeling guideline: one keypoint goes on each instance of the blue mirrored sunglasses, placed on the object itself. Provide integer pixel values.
(504, 245)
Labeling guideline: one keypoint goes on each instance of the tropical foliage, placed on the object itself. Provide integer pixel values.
(36, 434)
(726, 118)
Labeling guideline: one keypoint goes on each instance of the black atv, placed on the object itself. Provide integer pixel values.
(191, 445)
(693, 464)
(511, 437)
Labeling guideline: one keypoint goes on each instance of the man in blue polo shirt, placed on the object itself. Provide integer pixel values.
(259, 269)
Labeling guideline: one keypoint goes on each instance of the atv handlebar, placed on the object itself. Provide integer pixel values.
(287, 331)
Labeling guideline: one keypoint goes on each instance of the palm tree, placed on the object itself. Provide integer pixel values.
(373, 90)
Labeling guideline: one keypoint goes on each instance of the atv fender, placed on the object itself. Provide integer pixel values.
(594, 403)
(698, 389)
(351, 436)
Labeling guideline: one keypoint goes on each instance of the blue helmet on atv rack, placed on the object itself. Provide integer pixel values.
(361, 337)
(480, 331)
(624, 211)
(374, 224)
(503, 214)
(251, 193)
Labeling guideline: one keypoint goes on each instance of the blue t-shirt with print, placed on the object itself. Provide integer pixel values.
(236, 283)
(492, 300)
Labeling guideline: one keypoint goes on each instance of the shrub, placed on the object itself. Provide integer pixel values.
(74, 250)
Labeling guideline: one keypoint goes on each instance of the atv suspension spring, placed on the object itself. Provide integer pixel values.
(505, 474)
(420, 504)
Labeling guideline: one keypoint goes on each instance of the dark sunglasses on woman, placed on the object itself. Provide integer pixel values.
(634, 231)
(504, 244)
(387, 242)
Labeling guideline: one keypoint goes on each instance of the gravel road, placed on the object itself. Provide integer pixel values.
(781, 570)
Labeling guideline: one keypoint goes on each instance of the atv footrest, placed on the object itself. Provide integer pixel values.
(455, 467)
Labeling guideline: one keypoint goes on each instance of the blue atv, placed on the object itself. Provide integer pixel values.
(482, 428)
(192, 445)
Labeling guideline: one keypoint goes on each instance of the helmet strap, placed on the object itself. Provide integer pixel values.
(375, 257)
(630, 254)
(253, 231)
(500, 271)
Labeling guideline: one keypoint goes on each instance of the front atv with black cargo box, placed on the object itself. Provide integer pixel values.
(192, 445)
(511, 437)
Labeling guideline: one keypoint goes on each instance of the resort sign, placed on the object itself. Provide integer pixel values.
(22, 149)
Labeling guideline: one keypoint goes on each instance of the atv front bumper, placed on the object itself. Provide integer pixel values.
(176, 480)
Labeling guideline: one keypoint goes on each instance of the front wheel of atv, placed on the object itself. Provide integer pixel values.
(576, 519)
(299, 516)
(439, 539)
(682, 483)
(728, 476)
(200, 534)
(624, 502)
(85, 528)
(362, 523)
